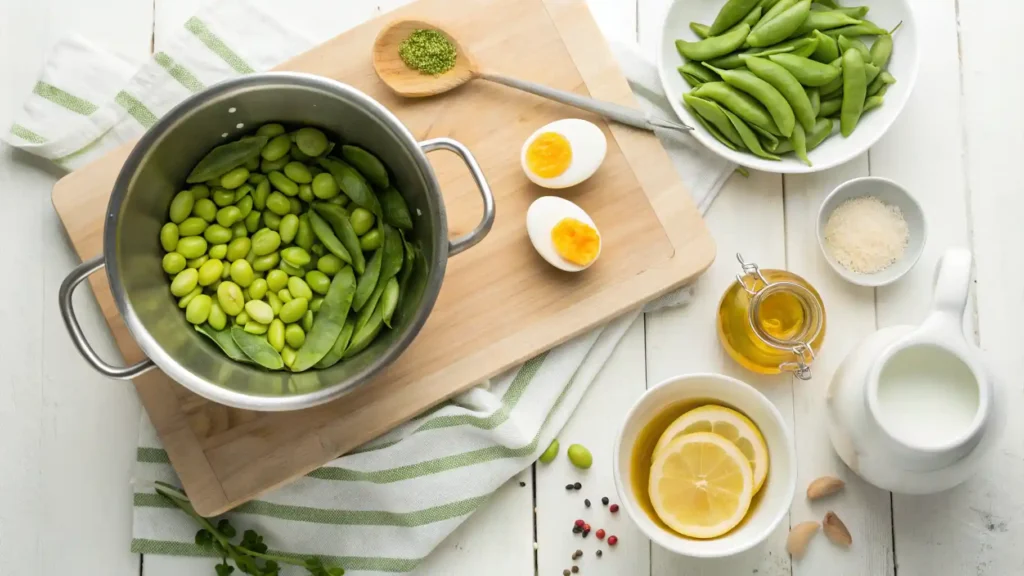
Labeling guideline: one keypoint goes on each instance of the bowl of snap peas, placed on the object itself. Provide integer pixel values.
(275, 241)
(788, 86)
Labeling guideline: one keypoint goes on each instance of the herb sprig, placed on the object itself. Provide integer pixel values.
(250, 555)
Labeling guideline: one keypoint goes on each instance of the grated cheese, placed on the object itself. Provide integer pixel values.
(866, 235)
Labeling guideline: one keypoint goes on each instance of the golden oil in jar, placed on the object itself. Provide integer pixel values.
(771, 321)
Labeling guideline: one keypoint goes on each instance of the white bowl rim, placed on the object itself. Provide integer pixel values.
(755, 163)
(872, 280)
(661, 537)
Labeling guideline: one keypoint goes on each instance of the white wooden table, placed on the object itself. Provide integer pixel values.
(67, 436)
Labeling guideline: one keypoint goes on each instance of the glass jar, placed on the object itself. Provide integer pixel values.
(771, 321)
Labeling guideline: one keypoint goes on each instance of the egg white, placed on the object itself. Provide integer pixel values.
(541, 218)
(588, 145)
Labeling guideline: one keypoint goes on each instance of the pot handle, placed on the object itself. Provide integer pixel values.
(469, 240)
(67, 311)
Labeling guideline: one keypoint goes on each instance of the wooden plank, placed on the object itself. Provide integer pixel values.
(68, 433)
(968, 170)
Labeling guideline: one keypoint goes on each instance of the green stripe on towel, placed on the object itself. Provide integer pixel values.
(178, 72)
(26, 134)
(136, 109)
(217, 46)
(64, 99)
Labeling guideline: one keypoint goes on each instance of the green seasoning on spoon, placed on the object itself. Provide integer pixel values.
(428, 51)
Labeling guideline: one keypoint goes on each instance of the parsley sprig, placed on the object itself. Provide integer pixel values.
(249, 555)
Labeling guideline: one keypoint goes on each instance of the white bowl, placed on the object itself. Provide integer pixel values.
(893, 194)
(771, 503)
(836, 149)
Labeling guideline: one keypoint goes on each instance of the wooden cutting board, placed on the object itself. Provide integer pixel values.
(501, 304)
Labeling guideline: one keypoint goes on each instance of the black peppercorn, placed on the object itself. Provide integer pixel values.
(599, 553)
(586, 503)
(575, 569)
(577, 486)
(604, 500)
(570, 487)
(565, 572)
(522, 484)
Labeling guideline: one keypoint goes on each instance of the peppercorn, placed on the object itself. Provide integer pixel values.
(586, 532)
(613, 540)
(577, 554)
(600, 534)
(577, 486)
(614, 508)
(586, 502)
(599, 553)
(569, 486)
(522, 484)
(576, 530)
(580, 523)
(575, 569)
(565, 572)
(604, 500)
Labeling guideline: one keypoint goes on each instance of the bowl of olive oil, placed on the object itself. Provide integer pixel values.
(736, 435)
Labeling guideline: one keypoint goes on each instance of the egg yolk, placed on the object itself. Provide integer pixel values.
(549, 155)
(576, 241)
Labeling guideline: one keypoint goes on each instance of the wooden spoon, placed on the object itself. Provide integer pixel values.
(410, 83)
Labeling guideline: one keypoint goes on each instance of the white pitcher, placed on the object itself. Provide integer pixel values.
(913, 409)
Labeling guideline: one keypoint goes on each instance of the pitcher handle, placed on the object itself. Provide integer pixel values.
(952, 286)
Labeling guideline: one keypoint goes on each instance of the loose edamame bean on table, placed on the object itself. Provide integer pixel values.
(258, 250)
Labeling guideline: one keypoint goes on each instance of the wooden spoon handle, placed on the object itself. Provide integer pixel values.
(616, 112)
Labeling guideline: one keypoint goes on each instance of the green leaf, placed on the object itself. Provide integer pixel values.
(204, 538)
(225, 158)
(253, 541)
(224, 569)
(225, 528)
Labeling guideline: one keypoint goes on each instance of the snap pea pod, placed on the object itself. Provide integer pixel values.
(396, 211)
(713, 47)
(225, 158)
(781, 147)
(815, 97)
(329, 321)
(854, 91)
(223, 340)
(768, 140)
(370, 307)
(835, 86)
(800, 47)
(701, 30)
(751, 19)
(363, 338)
(257, 349)
(749, 138)
(712, 112)
(766, 94)
(824, 20)
(873, 102)
(713, 130)
(881, 51)
(788, 86)
(827, 3)
(389, 301)
(857, 12)
(808, 72)
(780, 27)
(854, 44)
(883, 79)
(774, 10)
(352, 184)
(730, 14)
(338, 219)
(799, 141)
(827, 49)
(367, 164)
(865, 28)
(393, 258)
(738, 102)
(338, 350)
(871, 72)
(323, 232)
(830, 107)
(822, 130)
(368, 281)
(694, 74)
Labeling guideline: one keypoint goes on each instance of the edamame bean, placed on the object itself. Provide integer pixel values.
(243, 317)
(318, 281)
(278, 204)
(274, 302)
(277, 280)
(239, 230)
(259, 195)
(252, 221)
(258, 289)
(217, 318)
(295, 256)
(311, 141)
(275, 334)
(198, 310)
(234, 178)
(185, 282)
(268, 166)
(306, 193)
(259, 311)
(294, 310)
(738, 102)
(285, 296)
(765, 93)
(371, 240)
(731, 13)
(255, 328)
(713, 47)
(295, 336)
(197, 262)
(205, 209)
(283, 183)
(288, 228)
(276, 148)
(181, 206)
(244, 207)
(298, 173)
(265, 263)
(325, 187)
(238, 248)
(270, 130)
(252, 163)
(854, 91)
(788, 86)
(169, 236)
(295, 206)
(288, 356)
(191, 247)
(808, 72)
(230, 298)
(222, 197)
(217, 234)
(265, 242)
(315, 304)
(362, 220)
(578, 454)
(200, 192)
(184, 301)
(329, 264)
(780, 27)
(549, 454)
(242, 273)
(299, 289)
(272, 221)
(210, 272)
(228, 215)
(173, 263)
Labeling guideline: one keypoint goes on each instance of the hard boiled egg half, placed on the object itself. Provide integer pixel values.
(563, 233)
(563, 153)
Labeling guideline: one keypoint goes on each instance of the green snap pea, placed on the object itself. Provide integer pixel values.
(362, 338)
(825, 20)
(205, 209)
(371, 240)
(712, 112)
(298, 173)
(881, 51)
(255, 177)
(578, 453)
(710, 48)
(730, 14)
(200, 191)
(854, 44)
(800, 46)
(395, 210)
(857, 12)
(295, 256)
(256, 348)
(329, 264)
(229, 296)
(695, 74)
(338, 350)
(765, 93)
(265, 263)
(198, 310)
(865, 28)
(181, 206)
(834, 87)
(814, 95)
(217, 234)
(258, 289)
(265, 242)
(549, 454)
(788, 86)
(323, 232)
(799, 141)
(234, 178)
(191, 247)
(185, 282)
(318, 281)
(751, 19)
(184, 301)
(780, 146)
(739, 103)
(271, 220)
(279, 204)
(883, 79)
(324, 186)
(288, 228)
(780, 27)
(701, 30)
(311, 141)
(854, 91)
(389, 301)
(750, 139)
(822, 130)
(873, 102)
(871, 72)
(283, 183)
(368, 281)
(223, 197)
(295, 336)
(768, 140)
(352, 184)
(210, 272)
(255, 328)
(169, 236)
(299, 289)
(173, 263)
(808, 72)
(225, 158)
(772, 11)
(367, 164)
(306, 193)
(276, 148)
(275, 334)
(217, 318)
(242, 273)
(827, 49)
(330, 321)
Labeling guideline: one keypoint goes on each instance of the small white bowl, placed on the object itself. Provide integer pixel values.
(836, 149)
(893, 194)
(771, 503)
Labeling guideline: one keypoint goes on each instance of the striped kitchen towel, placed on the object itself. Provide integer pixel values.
(384, 507)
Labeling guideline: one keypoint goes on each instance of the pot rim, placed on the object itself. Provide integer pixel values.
(168, 364)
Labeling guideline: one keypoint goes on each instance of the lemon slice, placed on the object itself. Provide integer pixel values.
(729, 424)
(701, 485)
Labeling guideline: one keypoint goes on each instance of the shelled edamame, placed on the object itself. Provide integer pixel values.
(767, 73)
(267, 250)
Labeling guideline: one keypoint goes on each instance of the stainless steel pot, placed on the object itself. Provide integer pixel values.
(155, 170)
